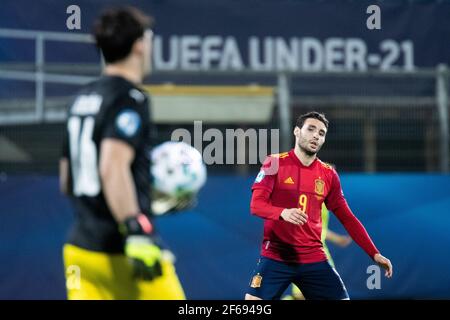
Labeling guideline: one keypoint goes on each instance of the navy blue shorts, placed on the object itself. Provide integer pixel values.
(317, 281)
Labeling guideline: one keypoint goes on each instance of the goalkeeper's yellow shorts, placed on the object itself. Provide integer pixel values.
(92, 275)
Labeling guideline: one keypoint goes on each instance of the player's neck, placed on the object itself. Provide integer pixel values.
(304, 158)
(124, 70)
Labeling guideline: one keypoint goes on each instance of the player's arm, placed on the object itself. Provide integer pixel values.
(64, 176)
(338, 239)
(261, 204)
(123, 133)
(116, 158)
(336, 202)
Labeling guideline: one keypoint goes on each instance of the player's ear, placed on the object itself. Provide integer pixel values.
(138, 46)
(296, 131)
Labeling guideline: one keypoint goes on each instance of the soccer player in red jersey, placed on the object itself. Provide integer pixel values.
(288, 194)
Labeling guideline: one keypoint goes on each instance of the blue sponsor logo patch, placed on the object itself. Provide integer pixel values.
(260, 176)
(128, 122)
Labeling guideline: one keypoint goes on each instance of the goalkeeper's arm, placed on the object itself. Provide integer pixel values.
(64, 176)
(64, 187)
(120, 193)
(116, 158)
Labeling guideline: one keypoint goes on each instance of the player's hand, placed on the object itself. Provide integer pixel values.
(144, 255)
(167, 204)
(186, 202)
(294, 215)
(385, 263)
(141, 247)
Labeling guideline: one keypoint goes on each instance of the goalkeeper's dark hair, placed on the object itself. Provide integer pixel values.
(313, 114)
(117, 29)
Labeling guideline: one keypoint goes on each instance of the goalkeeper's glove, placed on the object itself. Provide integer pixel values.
(168, 204)
(141, 247)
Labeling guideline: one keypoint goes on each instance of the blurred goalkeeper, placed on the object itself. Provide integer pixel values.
(105, 169)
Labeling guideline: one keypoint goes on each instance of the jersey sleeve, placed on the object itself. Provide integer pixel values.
(262, 188)
(261, 205)
(336, 203)
(335, 198)
(265, 180)
(127, 121)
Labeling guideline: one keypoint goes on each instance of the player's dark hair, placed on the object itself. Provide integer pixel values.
(117, 29)
(313, 114)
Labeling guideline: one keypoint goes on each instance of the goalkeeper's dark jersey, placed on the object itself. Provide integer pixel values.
(110, 107)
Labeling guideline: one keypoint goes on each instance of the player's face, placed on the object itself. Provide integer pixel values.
(147, 51)
(311, 136)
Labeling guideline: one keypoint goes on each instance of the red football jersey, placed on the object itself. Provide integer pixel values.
(284, 182)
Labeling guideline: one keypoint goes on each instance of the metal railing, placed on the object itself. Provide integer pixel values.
(39, 76)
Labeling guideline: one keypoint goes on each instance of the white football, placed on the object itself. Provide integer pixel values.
(177, 168)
